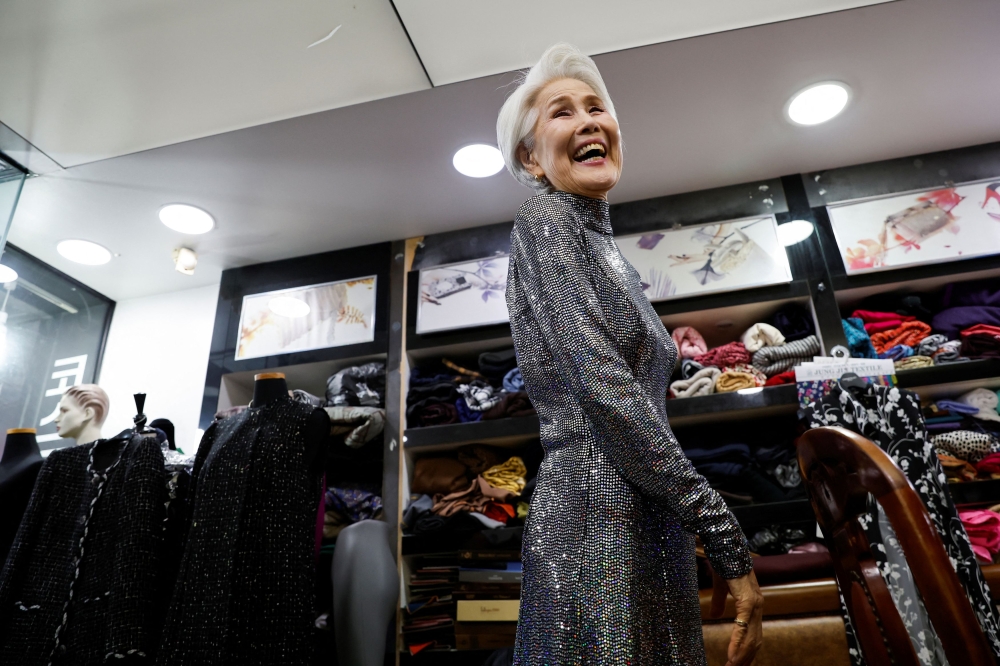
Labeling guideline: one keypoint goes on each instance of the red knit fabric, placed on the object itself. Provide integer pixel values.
(728, 354)
(981, 340)
(989, 465)
(909, 333)
(786, 377)
(876, 322)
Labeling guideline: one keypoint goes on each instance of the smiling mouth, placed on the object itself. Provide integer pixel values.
(589, 153)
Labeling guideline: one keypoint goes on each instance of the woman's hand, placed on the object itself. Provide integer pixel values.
(746, 640)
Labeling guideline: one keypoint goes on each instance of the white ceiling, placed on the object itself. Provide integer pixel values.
(696, 113)
(462, 39)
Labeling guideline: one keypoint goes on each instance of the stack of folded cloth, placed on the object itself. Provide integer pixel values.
(478, 488)
(738, 377)
(981, 341)
(774, 360)
(357, 386)
(744, 477)
(983, 528)
(902, 338)
(965, 434)
(446, 392)
(966, 304)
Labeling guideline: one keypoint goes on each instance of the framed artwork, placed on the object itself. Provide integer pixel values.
(693, 261)
(462, 295)
(918, 228)
(319, 316)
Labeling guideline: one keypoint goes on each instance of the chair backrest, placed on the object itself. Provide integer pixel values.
(841, 469)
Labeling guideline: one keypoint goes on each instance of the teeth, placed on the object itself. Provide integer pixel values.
(585, 149)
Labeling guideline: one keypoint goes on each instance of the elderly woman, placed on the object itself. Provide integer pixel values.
(609, 546)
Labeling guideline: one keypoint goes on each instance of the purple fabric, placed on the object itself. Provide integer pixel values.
(359, 502)
(957, 407)
(953, 320)
(976, 292)
(897, 352)
(466, 415)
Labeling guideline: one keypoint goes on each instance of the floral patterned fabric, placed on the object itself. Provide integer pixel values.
(892, 419)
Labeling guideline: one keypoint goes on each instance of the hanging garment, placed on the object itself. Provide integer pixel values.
(608, 553)
(895, 423)
(245, 590)
(81, 583)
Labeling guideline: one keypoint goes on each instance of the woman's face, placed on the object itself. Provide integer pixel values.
(577, 147)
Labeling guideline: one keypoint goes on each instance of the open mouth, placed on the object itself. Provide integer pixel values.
(589, 153)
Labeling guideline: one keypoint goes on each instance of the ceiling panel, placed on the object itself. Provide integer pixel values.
(695, 114)
(85, 80)
(463, 39)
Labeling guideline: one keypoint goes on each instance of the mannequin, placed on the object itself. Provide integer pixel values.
(268, 386)
(365, 590)
(82, 411)
(19, 466)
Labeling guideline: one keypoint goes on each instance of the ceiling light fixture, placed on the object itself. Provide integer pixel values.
(187, 219)
(7, 274)
(185, 260)
(478, 160)
(84, 252)
(818, 103)
(794, 232)
(288, 306)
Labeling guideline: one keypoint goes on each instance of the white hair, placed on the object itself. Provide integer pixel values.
(518, 115)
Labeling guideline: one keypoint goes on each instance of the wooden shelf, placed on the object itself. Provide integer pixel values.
(498, 432)
(503, 538)
(951, 379)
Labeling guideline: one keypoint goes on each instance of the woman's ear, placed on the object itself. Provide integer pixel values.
(528, 160)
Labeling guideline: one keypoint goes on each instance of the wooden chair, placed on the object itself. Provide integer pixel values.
(840, 468)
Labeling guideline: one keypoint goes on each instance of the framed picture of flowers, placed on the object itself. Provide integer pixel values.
(463, 295)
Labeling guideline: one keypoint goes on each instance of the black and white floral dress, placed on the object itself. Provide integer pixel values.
(896, 425)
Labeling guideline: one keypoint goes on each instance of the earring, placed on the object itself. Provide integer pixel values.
(538, 178)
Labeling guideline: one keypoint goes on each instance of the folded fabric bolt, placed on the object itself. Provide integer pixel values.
(966, 444)
(438, 475)
(727, 354)
(858, 342)
(478, 458)
(909, 333)
(728, 382)
(786, 377)
(465, 414)
(701, 383)
(794, 321)
(511, 405)
(950, 352)
(956, 406)
(931, 344)
(989, 464)
(914, 362)
(876, 322)
(359, 501)
(508, 476)
(981, 341)
(985, 401)
(513, 382)
(479, 395)
(431, 412)
(896, 352)
(772, 360)
(956, 468)
(689, 342)
(759, 377)
(762, 335)
(689, 368)
(983, 528)
(357, 425)
(952, 321)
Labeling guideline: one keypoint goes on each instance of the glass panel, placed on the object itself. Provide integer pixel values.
(11, 180)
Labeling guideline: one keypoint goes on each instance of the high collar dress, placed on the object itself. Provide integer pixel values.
(608, 551)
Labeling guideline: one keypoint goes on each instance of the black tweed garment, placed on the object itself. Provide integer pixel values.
(80, 585)
(608, 552)
(245, 592)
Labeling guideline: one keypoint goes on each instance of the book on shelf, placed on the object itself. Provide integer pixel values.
(510, 573)
(487, 610)
(484, 635)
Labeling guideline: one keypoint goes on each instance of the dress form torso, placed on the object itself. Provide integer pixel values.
(269, 386)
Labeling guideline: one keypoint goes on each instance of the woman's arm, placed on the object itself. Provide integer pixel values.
(550, 257)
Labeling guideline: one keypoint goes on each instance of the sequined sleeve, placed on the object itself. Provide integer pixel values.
(552, 263)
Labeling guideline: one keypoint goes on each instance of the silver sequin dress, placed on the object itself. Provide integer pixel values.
(608, 552)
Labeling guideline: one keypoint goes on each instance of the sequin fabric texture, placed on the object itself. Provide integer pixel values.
(608, 551)
(245, 591)
(81, 582)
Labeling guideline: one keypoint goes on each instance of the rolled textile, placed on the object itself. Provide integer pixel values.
(956, 407)
(876, 322)
(950, 352)
(952, 321)
(689, 342)
(513, 382)
(357, 425)
(727, 354)
(728, 382)
(794, 321)
(786, 377)
(479, 395)
(985, 401)
(465, 414)
(909, 333)
(981, 341)
(701, 383)
(858, 341)
(759, 377)
(968, 445)
(772, 360)
(931, 344)
(507, 476)
(762, 335)
(896, 352)
(914, 362)
(983, 528)
(689, 368)
(989, 464)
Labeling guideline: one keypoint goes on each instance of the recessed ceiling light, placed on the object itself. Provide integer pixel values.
(7, 274)
(288, 306)
(84, 252)
(478, 160)
(817, 103)
(186, 219)
(794, 232)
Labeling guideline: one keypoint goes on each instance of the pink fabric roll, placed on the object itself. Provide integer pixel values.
(730, 354)
(689, 342)
(983, 528)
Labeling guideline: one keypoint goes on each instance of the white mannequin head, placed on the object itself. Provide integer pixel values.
(82, 411)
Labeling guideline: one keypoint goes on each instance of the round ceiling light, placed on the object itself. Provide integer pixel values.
(817, 103)
(288, 306)
(7, 274)
(794, 232)
(478, 160)
(84, 252)
(187, 219)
